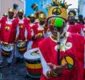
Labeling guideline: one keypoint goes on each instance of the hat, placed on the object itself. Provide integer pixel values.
(33, 15)
(5, 14)
(42, 15)
(58, 9)
(21, 10)
(11, 10)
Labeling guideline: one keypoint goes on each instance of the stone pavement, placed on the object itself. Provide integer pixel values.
(15, 72)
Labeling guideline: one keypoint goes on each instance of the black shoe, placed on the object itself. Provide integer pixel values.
(9, 64)
(17, 60)
(22, 60)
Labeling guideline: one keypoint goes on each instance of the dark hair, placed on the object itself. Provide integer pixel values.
(72, 11)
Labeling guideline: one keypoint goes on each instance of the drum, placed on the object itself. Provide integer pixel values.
(22, 47)
(7, 50)
(33, 63)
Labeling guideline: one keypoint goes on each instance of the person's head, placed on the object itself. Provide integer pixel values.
(72, 13)
(54, 29)
(71, 20)
(42, 18)
(10, 13)
(80, 19)
(20, 13)
(32, 18)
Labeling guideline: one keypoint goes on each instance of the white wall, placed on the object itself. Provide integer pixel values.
(5, 4)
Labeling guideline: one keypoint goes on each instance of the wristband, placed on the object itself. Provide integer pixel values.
(54, 74)
(48, 74)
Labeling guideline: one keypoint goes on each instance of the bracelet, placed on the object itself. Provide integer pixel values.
(48, 74)
(54, 74)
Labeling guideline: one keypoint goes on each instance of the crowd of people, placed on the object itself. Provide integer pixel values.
(20, 34)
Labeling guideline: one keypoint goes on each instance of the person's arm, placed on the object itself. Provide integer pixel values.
(51, 70)
(82, 33)
(25, 34)
(44, 65)
(17, 32)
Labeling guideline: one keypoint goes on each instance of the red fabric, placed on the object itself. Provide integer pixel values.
(7, 33)
(76, 28)
(71, 28)
(36, 31)
(34, 70)
(79, 46)
(84, 73)
(29, 31)
(3, 20)
(50, 55)
(22, 31)
(12, 34)
(13, 31)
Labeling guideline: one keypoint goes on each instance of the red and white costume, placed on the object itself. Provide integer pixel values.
(49, 55)
(38, 29)
(8, 33)
(21, 33)
(21, 29)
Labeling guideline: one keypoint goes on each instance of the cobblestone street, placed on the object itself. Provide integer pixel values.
(15, 72)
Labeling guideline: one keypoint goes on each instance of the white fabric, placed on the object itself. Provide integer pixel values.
(44, 64)
(25, 33)
(29, 45)
(17, 31)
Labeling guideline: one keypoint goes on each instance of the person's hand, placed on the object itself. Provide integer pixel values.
(57, 69)
(26, 39)
(39, 35)
(16, 38)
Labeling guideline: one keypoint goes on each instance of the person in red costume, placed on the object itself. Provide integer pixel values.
(32, 23)
(70, 67)
(8, 33)
(0, 46)
(79, 26)
(71, 21)
(38, 30)
(21, 35)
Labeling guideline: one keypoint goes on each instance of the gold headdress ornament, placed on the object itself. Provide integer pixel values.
(42, 17)
(33, 15)
(21, 10)
(58, 8)
(11, 10)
